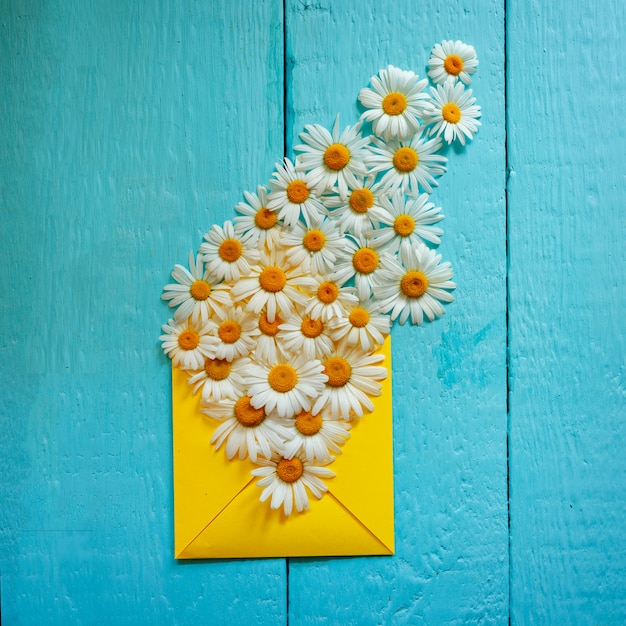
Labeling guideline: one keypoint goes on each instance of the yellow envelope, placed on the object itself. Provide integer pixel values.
(217, 513)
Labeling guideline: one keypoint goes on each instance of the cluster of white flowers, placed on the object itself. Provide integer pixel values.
(279, 316)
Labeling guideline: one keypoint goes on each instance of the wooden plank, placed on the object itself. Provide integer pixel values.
(451, 562)
(567, 230)
(128, 129)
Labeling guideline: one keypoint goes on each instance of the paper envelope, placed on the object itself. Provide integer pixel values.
(217, 512)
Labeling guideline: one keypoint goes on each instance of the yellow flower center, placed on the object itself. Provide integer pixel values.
(269, 328)
(217, 369)
(311, 328)
(189, 339)
(365, 260)
(327, 292)
(246, 414)
(314, 240)
(229, 331)
(200, 290)
(272, 279)
(230, 250)
(359, 317)
(297, 191)
(414, 284)
(394, 103)
(282, 378)
(265, 219)
(338, 371)
(405, 159)
(453, 64)
(361, 200)
(337, 156)
(404, 225)
(451, 113)
(289, 470)
(308, 424)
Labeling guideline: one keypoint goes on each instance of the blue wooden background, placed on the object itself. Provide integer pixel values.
(128, 128)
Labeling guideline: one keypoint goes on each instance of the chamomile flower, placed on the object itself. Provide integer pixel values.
(455, 116)
(286, 481)
(332, 159)
(313, 247)
(305, 335)
(292, 195)
(274, 284)
(269, 348)
(364, 326)
(187, 344)
(235, 331)
(257, 219)
(228, 255)
(329, 299)
(245, 430)
(407, 165)
(417, 289)
(286, 387)
(314, 436)
(396, 104)
(409, 221)
(452, 61)
(220, 378)
(353, 376)
(359, 211)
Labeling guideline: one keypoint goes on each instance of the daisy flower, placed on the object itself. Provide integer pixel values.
(364, 326)
(269, 348)
(313, 247)
(452, 61)
(244, 429)
(455, 116)
(332, 159)
(187, 344)
(235, 330)
(409, 221)
(287, 388)
(315, 436)
(359, 211)
(196, 293)
(418, 288)
(292, 195)
(329, 300)
(353, 376)
(406, 164)
(220, 378)
(257, 219)
(227, 254)
(274, 284)
(285, 481)
(396, 103)
(302, 334)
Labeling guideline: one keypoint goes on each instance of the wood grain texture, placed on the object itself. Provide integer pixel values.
(449, 377)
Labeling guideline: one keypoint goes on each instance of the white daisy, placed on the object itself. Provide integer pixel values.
(187, 344)
(396, 104)
(256, 218)
(292, 195)
(220, 378)
(235, 331)
(305, 335)
(452, 61)
(406, 164)
(455, 116)
(285, 387)
(244, 429)
(409, 221)
(333, 159)
(269, 348)
(329, 299)
(274, 284)
(353, 376)
(416, 289)
(364, 326)
(227, 254)
(313, 247)
(285, 481)
(196, 293)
